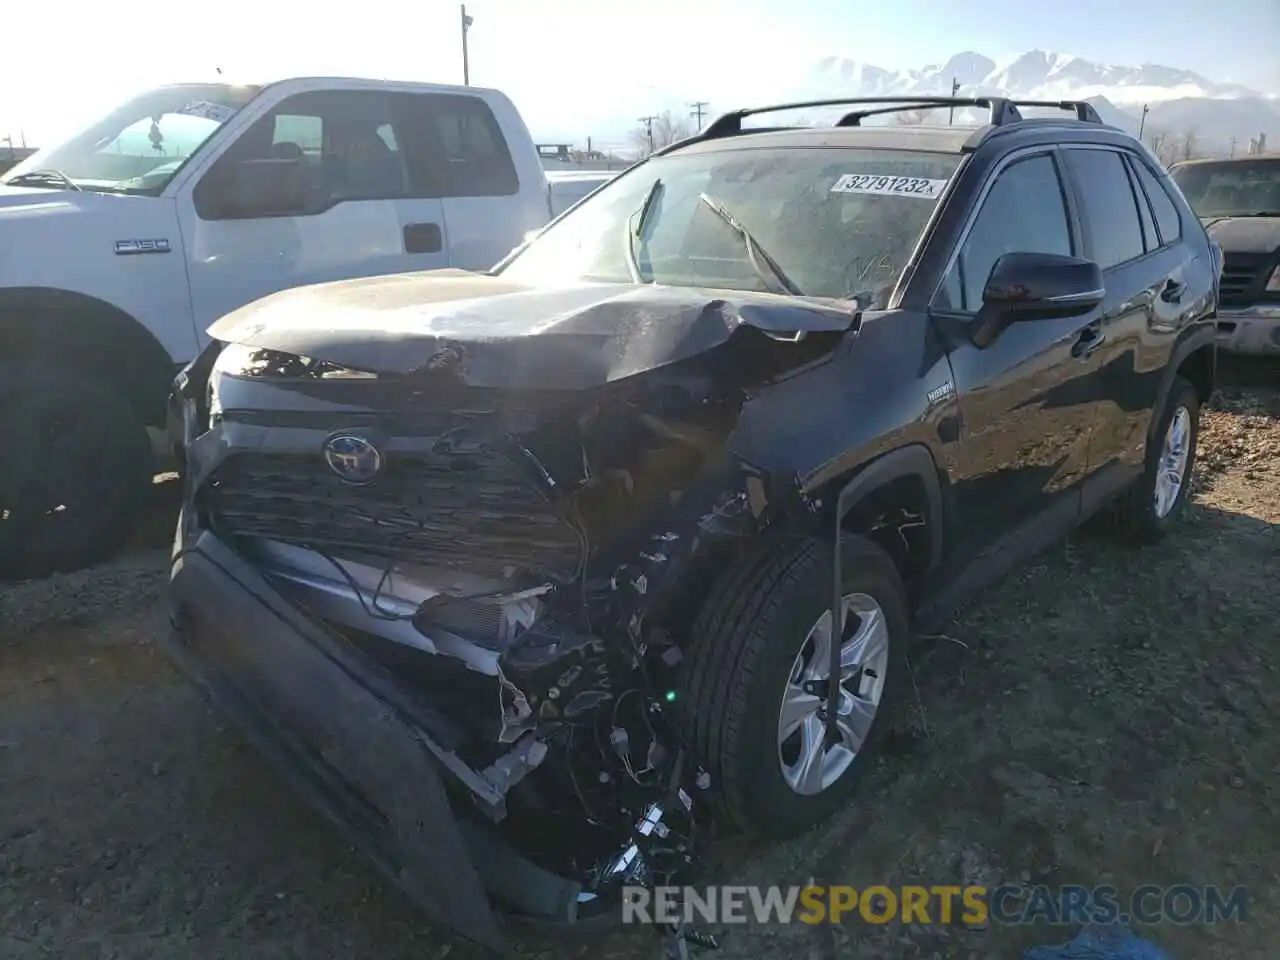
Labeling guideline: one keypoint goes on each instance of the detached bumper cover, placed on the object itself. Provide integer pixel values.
(297, 694)
(1253, 329)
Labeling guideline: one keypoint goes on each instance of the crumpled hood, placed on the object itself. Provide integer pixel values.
(1245, 234)
(491, 332)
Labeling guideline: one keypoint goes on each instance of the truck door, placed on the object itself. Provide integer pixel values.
(354, 221)
(462, 159)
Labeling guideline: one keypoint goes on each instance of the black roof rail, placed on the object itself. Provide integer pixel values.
(999, 109)
(1003, 110)
(1083, 109)
(730, 123)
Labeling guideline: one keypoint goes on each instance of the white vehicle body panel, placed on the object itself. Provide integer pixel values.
(66, 240)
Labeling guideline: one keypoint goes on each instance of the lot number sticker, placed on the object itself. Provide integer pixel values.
(922, 187)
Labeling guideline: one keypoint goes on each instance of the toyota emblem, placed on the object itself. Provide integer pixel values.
(354, 459)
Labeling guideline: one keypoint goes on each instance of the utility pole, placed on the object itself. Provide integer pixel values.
(648, 130)
(699, 108)
(955, 88)
(466, 65)
(1142, 124)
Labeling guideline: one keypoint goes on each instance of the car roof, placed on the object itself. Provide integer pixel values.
(933, 139)
(1010, 134)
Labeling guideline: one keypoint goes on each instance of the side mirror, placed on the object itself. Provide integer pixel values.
(1035, 286)
(264, 188)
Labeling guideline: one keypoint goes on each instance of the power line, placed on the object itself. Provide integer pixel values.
(699, 109)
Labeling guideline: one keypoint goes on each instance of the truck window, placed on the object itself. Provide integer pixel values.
(346, 135)
(455, 146)
(345, 138)
(138, 147)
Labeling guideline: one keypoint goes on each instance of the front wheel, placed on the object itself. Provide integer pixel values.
(759, 675)
(77, 468)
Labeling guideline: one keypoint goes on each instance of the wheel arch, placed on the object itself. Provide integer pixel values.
(90, 335)
(883, 479)
(1195, 358)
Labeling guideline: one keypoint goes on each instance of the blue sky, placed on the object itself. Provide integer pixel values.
(578, 61)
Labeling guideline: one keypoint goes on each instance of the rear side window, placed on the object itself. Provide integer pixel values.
(1167, 219)
(1109, 206)
(455, 145)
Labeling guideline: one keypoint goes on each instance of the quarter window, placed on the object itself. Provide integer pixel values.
(1167, 219)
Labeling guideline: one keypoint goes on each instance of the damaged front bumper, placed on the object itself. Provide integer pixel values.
(464, 657)
(357, 745)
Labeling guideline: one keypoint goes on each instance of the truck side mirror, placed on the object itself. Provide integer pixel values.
(271, 187)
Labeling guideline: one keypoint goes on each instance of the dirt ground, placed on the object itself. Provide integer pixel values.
(1104, 716)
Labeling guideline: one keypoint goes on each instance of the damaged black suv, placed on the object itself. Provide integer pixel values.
(530, 578)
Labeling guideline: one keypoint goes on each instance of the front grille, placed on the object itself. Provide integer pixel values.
(480, 515)
(1239, 274)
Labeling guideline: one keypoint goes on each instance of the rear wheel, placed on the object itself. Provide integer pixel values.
(77, 469)
(759, 674)
(1155, 503)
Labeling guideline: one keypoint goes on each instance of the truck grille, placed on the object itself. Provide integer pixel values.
(1239, 274)
(480, 515)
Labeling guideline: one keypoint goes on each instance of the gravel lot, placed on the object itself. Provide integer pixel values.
(1105, 716)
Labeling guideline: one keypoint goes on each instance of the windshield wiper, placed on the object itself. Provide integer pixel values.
(755, 252)
(44, 176)
(636, 230)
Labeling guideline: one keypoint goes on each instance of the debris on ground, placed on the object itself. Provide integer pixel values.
(1104, 716)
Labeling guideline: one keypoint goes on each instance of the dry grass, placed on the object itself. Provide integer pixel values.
(1107, 717)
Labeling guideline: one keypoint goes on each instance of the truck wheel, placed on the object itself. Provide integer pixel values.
(77, 469)
(1151, 506)
(757, 674)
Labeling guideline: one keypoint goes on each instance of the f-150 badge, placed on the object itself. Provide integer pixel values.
(132, 247)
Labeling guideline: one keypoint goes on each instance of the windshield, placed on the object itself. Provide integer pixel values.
(1237, 188)
(139, 146)
(835, 222)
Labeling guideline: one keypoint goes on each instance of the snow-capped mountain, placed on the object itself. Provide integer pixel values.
(1180, 103)
(1035, 75)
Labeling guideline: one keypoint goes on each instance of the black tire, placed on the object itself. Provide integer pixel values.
(79, 467)
(748, 636)
(1133, 517)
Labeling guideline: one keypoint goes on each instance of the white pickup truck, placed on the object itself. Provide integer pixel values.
(120, 246)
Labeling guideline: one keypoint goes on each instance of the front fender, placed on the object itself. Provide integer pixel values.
(915, 461)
